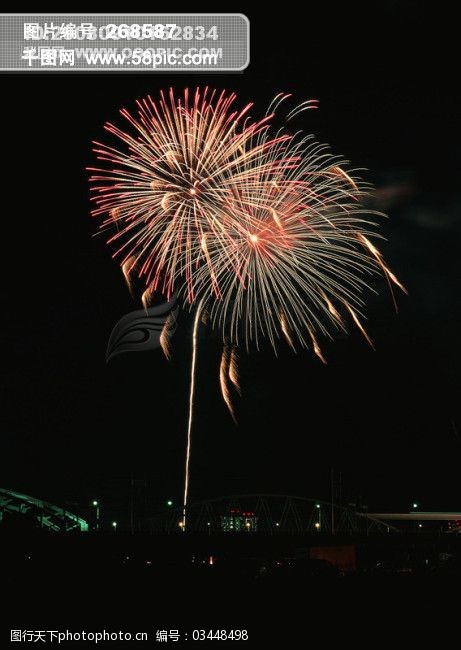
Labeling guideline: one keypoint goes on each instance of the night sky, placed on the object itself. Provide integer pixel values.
(73, 428)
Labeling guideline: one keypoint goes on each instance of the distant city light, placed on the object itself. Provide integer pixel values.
(317, 525)
(415, 505)
(317, 505)
(420, 525)
(238, 521)
(181, 524)
(208, 523)
(277, 524)
(95, 503)
(169, 502)
(114, 524)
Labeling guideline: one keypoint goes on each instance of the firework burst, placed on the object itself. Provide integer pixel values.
(266, 229)
(169, 193)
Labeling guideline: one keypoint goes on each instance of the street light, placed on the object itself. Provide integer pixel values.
(415, 506)
(319, 520)
(96, 505)
(169, 503)
(114, 526)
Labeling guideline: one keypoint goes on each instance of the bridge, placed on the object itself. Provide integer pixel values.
(270, 514)
(46, 515)
(451, 520)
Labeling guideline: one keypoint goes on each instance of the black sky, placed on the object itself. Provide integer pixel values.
(73, 427)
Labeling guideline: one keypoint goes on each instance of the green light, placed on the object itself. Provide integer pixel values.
(169, 503)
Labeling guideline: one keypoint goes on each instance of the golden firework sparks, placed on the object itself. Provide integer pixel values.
(316, 347)
(165, 336)
(233, 370)
(127, 268)
(223, 376)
